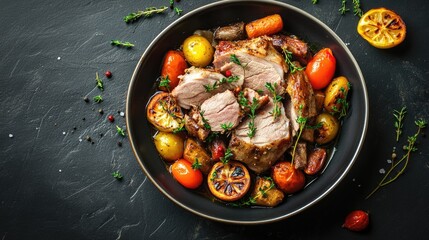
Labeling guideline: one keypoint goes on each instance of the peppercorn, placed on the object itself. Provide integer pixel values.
(100, 111)
(86, 99)
(111, 118)
(119, 144)
(228, 73)
(108, 74)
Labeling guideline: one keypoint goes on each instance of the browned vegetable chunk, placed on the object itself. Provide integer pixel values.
(316, 161)
(266, 194)
(194, 151)
(231, 32)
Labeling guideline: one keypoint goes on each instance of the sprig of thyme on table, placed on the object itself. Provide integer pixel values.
(121, 44)
(411, 147)
(148, 12)
(276, 99)
(98, 99)
(343, 9)
(399, 123)
(99, 82)
(357, 11)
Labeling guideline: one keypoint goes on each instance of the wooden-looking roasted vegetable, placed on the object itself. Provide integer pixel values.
(169, 145)
(265, 193)
(195, 152)
(164, 113)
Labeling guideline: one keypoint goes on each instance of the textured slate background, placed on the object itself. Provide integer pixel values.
(54, 186)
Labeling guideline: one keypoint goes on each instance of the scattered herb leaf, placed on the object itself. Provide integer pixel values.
(399, 117)
(117, 175)
(288, 60)
(228, 155)
(178, 11)
(121, 44)
(226, 126)
(148, 12)
(205, 122)
(165, 82)
(343, 9)
(276, 99)
(357, 11)
(99, 82)
(120, 131)
(302, 121)
(196, 164)
(98, 99)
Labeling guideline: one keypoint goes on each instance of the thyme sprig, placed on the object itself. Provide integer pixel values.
(411, 147)
(178, 11)
(357, 11)
(205, 122)
(233, 58)
(343, 9)
(242, 100)
(121, 44)
(342, 101)
(165, 82)
(98, 99)
(302, 121)
(314, 1)
(226, 126)
(216, 84)
(276, 99)
(399, 124)
(99, 82)
(262, 191)
(196, 164)
(148, 12)
(288, 60)
(228, 155)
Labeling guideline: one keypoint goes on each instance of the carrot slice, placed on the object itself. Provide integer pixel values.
(264, 26)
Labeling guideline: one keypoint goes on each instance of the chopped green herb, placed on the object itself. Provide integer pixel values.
(216, 84)
(302, 121)
(226, 126)
(178, 10)
(356, 8)
(342, 101)
(196, 164)
(148, 12)
(288, 60)
(205, 122)
(98, 99)
(117, 175)
(343, 8)
(121, 44)
(165, 82)
(276, 99)
(228, 155)
(244, 103)
(99, 82)
(213, 176)
(120, 131)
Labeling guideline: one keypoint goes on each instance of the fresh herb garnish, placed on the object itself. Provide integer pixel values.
(233, 58)
(121, 44)
(411, 147)
(99, 82)
(342, 101)
(117, 175)
(216, 84)
(262, 192)
(228, 155)
(120, 131)
(288, 60)
(399, 123)
(302, 121)
(98, 99)
(242, 100)
(356, 8)
(178, 11)
(213, 176)
(314, 1)
(205, 122)
(179, 129)
(276, 99)
(226, 126)
(196, 164)
(148, 12)
(343, 9)
(165, 82)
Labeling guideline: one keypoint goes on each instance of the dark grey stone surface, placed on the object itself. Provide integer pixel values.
(56, 185)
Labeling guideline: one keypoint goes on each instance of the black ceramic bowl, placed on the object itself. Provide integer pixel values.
(222, 13)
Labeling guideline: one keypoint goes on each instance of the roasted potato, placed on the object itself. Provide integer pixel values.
(265, 193)
(194, 151)
(336, 94)
(169, 145)
(198, 51)
(231, 32)
(328, 130)
(164, 113)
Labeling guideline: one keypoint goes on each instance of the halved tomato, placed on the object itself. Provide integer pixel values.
(382, 28)
(164, 112)
(230, 181)
(186, 175)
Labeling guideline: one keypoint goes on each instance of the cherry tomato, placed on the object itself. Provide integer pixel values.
(321, 68)
(187, 176)
(174, 65)
(356, 220)
(287, 178)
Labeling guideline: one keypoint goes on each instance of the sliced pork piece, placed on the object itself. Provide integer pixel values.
(221, 110)
(271, 140)
(297, 47)
(192, 88)
(302, 100)
(256, 59)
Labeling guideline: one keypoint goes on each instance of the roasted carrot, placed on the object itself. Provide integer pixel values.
(173, 66)
(264, 26)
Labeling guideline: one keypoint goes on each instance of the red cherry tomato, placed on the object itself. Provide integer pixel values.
(187, 176)
(356, 220)
(287, 178)
(321, 68)
(174, 65)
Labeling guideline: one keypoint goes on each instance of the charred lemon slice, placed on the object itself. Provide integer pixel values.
(382, 28)
(164, 113)
(229, 181)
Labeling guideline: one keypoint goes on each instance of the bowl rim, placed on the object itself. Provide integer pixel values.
(283, 5)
